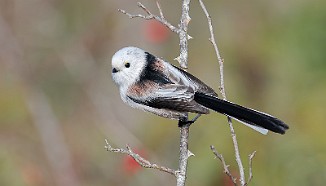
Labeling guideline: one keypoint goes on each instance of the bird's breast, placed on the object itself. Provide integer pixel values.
(142, 89)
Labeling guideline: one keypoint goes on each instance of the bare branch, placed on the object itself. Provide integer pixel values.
(212, 40)
(144, 8)
(183, 36)
(251, 156)
(222, 90)
(184, 155)
(149, 16)
(135, 15)
(160, 9)
(195, 118)
(225, 166)
(140, 160)
(183, 61)
(237, 153)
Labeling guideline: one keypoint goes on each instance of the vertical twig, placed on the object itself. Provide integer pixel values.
(222, 90)
(237, 153)
(184, 155)
(251, 156)
(225, 166)
(183, 61)
(183, 36)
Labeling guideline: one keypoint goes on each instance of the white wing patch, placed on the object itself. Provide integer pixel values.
(175, 91)
(176, 76)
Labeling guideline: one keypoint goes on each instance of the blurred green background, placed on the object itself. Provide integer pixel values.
(58, 102)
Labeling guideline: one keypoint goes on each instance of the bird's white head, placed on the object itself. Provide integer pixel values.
(127, 65)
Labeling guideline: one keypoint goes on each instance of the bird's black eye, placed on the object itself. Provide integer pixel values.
(114, 70)
(127, 65)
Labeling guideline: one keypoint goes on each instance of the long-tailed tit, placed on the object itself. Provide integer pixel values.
(154, 85)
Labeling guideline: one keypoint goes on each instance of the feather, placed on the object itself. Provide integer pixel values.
(246, 115)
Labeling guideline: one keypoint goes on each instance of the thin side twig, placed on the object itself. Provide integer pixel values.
(140, 160)
(237, 153)
(160, 9)
(149, 16)
(225, 166)
(251, 156)
(222, 90)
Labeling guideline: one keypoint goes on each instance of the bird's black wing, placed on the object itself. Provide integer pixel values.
(171, 97)
(163, 86)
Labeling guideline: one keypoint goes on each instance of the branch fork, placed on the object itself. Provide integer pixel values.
(149, 16)
(140, 160)
(225, 166)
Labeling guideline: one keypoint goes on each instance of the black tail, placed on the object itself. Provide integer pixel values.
(241, 113)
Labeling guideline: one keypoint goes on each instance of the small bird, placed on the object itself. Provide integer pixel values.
(154, 85)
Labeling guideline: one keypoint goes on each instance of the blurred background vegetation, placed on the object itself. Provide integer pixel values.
(58, 102)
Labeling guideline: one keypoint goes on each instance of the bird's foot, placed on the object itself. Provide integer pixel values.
(185, 121)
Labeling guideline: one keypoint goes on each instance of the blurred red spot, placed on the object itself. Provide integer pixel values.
(32, 174)
(130, 166)
(227, 180)
(155, 32)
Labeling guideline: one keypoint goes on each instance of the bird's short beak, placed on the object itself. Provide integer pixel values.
(114, 70)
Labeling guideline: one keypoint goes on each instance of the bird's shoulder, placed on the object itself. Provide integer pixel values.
(199, 85)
